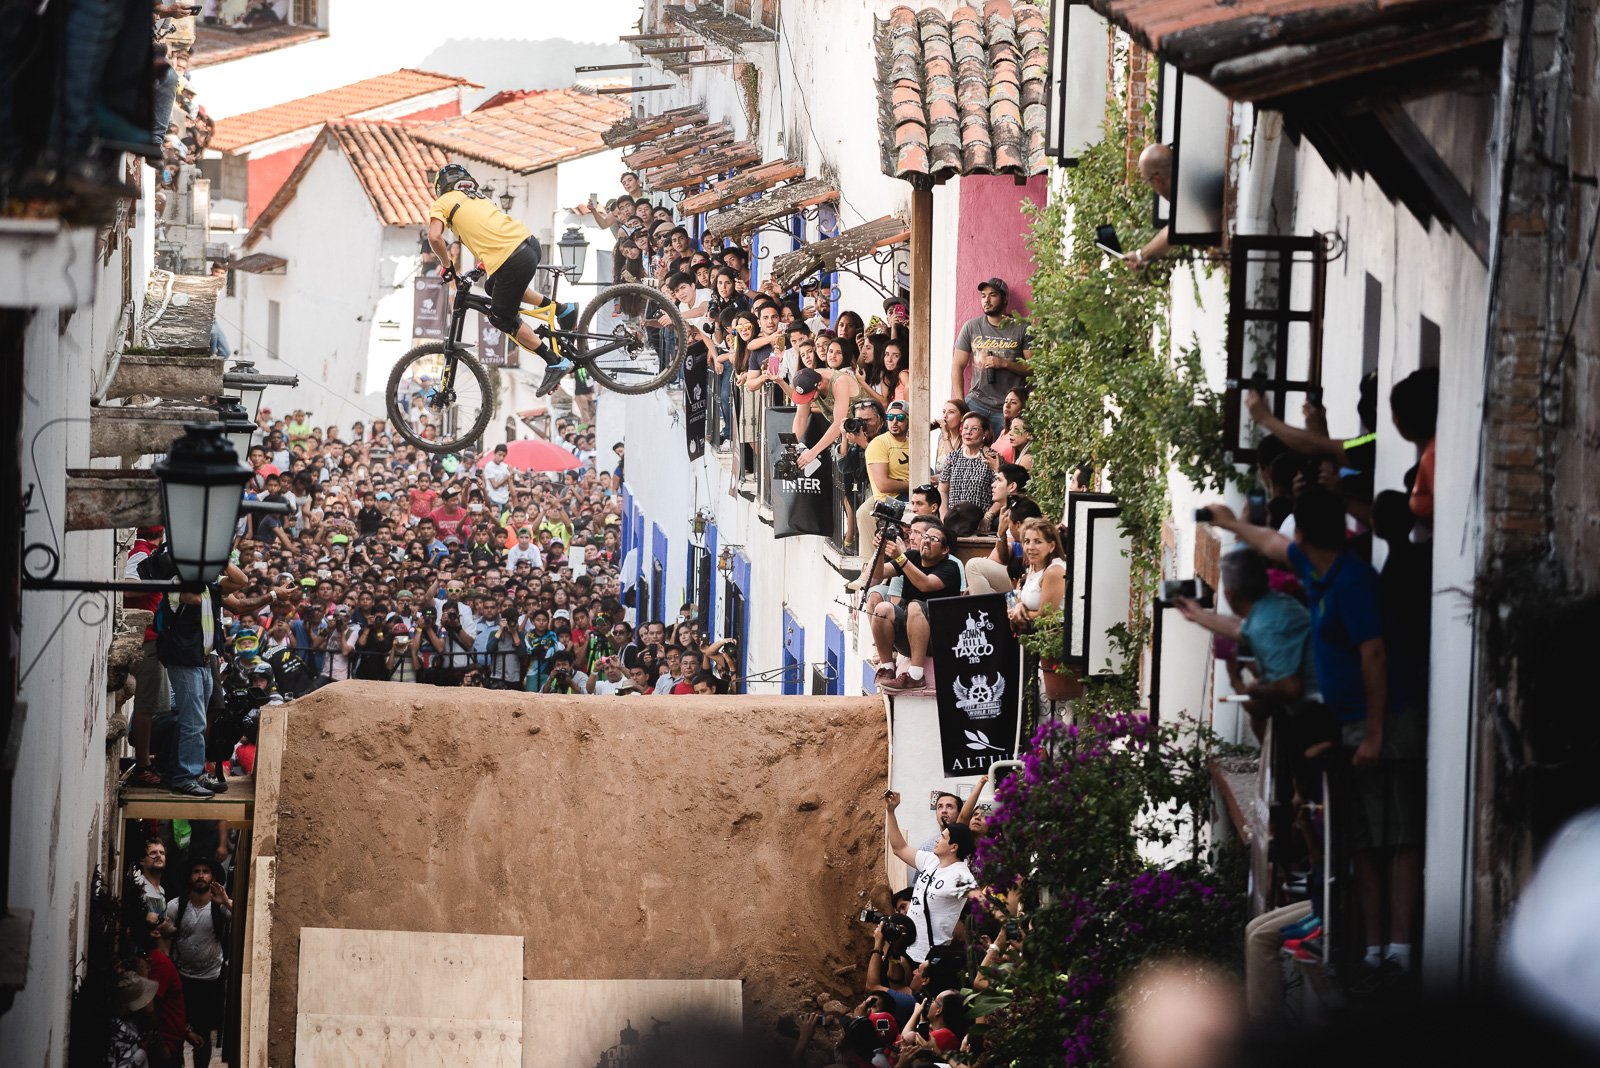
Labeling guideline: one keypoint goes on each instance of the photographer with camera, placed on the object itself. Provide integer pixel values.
(890, 971)
(564, 678)
(505, 652)
(943, 880)
(928, 572)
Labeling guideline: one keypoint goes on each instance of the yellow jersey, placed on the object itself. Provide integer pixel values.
(489, 233)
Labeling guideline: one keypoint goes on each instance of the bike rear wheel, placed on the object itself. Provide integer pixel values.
(457, 403)
(649, 356)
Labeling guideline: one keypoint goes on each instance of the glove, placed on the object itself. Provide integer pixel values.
(449, 273)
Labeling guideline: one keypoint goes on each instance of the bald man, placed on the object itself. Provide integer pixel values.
(1155, 166)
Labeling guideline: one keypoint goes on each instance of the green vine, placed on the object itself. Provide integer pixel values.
(1110, 393)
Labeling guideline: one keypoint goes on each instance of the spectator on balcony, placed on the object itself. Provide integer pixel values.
(1016, 399)
(1155, 167)
(1009, 485)
(1275, 627)
(998, 571)
(998, 351)
(946, 434)
(832, 400)
(1044, 583)
(894, 376)
(928, 572)
(1414, 406)
(1021, 443)
(1358, 453)
(1363, 677)
(925, 500)
(968, 472)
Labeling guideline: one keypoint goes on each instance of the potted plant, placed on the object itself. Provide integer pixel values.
(1045, 640)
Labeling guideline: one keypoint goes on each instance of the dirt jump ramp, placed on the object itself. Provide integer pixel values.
(622, 837)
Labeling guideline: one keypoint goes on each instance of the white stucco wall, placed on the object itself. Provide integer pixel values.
(59, 825)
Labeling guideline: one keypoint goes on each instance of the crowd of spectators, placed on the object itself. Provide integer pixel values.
(1333, 654)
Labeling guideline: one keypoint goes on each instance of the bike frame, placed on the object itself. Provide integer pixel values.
(467, 299)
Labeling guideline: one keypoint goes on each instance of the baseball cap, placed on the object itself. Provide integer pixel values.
(806, 383)
(900, 407)
(996, 284)
(308, 581)
(150, 532)
(561, 613)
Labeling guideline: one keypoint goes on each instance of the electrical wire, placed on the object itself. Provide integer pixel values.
(806, 106)
(299, 370)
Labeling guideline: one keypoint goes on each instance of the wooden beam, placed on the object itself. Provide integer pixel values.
(671, 51)
(263, 891)
(648, 36)
(705, 63)
(612, 66)
(921, 329)
(1452, 198)
(632, 89)
(271, 736)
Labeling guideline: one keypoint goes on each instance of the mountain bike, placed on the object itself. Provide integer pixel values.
(630, 338)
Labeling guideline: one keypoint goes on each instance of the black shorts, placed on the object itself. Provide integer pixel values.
(507, 285)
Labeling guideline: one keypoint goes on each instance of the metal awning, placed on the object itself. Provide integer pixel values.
(854, 244)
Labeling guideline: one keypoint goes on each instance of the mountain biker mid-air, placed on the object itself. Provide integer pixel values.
(509, 254)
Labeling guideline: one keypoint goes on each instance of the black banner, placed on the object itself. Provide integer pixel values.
(802, 505)
(430, 309)
(980, 681)
(493, 345)
(696, 399)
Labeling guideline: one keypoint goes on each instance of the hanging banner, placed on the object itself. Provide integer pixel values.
(430, 309)
(696, 398)
(492, 345)
(802, 504)
(976, 660)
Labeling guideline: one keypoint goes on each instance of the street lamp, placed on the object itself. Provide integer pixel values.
(505, 201)
(249, 396)
(725, 560)
(236, 425)
(202, 485)
(573, 248)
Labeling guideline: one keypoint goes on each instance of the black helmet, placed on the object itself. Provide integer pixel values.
(453, 176)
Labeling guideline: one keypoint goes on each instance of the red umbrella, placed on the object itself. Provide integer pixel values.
(530, 454)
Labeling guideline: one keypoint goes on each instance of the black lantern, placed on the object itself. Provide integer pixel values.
(725, 560)
(236, 425)
(202, 485)
(505, 201)
(573, 249)
(249, 397)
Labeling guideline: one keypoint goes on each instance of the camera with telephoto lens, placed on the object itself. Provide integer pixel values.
(870, 915)
(854, 426)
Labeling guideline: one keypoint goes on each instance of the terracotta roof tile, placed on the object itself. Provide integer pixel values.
(392, 167)
(213, 45)
(962, 94)
(238, 131)
(529, 134)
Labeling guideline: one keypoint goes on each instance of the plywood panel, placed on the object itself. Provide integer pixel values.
(411, 974)
(571, 1023)
(350, 1041)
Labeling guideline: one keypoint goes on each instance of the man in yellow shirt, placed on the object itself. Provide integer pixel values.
(509, 254)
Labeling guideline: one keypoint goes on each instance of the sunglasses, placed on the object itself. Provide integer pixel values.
(895, 418)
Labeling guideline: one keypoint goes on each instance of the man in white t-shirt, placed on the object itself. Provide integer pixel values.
(497, 479)
(943, 880)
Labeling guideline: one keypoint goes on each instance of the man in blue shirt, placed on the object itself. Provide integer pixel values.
(1363, 681)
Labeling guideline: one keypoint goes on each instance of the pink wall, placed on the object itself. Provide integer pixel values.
(991, 241)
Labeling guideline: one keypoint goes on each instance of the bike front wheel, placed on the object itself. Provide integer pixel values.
(439, 399)
(631, 338)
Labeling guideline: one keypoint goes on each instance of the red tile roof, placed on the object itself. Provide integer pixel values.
(213, 45)
(237, 131)
(392, 167)
(529, 134)
(963, 95)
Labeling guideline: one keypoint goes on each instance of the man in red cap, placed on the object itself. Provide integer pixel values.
(150, 694)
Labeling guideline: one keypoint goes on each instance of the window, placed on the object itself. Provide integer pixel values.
(1275, 294)
(733, 621)
(701, 567)
(273, 310)
(1371, 326)
(305, 12)
(1098, 580)
(794, 655)
(1200, 118)
(1428, 345)
(1077, 86)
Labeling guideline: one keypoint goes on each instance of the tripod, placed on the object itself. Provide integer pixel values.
(886, 531)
